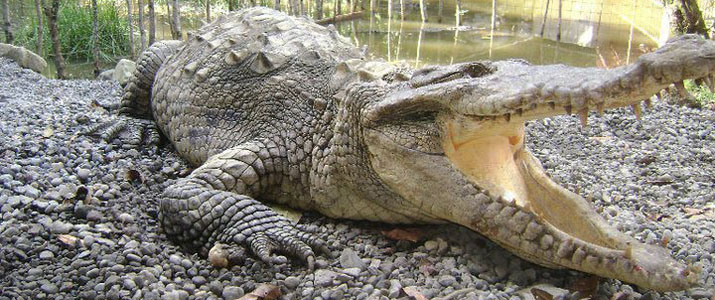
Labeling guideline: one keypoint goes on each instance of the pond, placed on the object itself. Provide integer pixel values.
(598, 33)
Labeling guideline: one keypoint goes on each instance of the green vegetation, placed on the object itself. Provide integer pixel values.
(702, 95)
(75, 23)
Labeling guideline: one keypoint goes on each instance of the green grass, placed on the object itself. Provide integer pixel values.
(75, 27)
(703, 96)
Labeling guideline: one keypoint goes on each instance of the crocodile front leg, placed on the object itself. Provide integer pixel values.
(216, 204)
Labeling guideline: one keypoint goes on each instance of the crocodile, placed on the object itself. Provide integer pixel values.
(272, 108)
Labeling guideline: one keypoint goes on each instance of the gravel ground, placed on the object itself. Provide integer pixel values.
(79, 215)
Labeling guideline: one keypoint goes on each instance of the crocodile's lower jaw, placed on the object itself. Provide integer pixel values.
(539, 220)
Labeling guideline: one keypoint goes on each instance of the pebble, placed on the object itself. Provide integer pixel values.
(232, 293)
(350, 259)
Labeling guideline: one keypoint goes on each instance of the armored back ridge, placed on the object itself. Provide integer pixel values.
(278, 109)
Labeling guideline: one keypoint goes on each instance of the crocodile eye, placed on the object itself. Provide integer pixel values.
(418, 132)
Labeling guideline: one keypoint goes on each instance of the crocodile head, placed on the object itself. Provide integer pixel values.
(451, 143)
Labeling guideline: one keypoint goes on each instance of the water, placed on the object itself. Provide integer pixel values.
(599, 34)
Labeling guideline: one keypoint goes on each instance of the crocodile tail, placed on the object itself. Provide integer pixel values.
(136, 100)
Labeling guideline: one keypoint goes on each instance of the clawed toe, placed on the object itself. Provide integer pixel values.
(133, 133)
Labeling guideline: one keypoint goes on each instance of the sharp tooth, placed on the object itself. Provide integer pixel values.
(637, 110)
(680, 86)
(568, 109)
(629, 251)
(600, 108)
(659, 94)
(583, 117)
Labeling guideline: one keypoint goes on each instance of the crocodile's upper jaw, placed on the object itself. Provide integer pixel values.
(453, 146)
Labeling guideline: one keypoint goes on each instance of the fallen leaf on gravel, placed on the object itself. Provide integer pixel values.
(404, 234)
(586, 287)
(540, 294)
(427, 268)
(67, 239)
(413, 293)
(133, 176)
(263, 292)
(291, 214)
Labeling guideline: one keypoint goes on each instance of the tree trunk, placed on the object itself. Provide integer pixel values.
(689, 19)
(51, 13)
(558, 28)
(318, 9)
(152, 23)
(140, 20)
(7, 26)
(176, 20)
(278, 5)
(208, 11)
(231, 5)
(543, 21)
(95, 38)
(423, 11)
(131, 29)
(40, 27)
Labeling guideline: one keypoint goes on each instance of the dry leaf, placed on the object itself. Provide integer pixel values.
(427, 268)
(413, 293)
(289, 213)
(587, 286)
(406, 234)
(48, 132)
(67, 239)
(263, 292)
(133, 176)
(540, 294)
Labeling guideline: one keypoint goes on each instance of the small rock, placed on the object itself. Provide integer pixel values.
(291, 282)
(83, 174)
(126, 218)
(232, 293)
(49, 288)
(324, 277)
(46, 254)
(350, 259)
(446, 280)
(395, 289)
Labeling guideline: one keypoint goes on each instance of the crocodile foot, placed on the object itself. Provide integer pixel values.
(133, 133)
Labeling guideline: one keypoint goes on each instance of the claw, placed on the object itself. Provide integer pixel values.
(583, 117)
(680, 86)
(311, 263)
(637, 110)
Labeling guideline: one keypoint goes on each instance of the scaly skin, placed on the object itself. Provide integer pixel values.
(278, 109)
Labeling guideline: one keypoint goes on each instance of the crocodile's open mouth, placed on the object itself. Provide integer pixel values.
(492, 154)
(546, 223)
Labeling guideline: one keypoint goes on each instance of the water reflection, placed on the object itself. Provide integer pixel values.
(485, 32)
(603, 33)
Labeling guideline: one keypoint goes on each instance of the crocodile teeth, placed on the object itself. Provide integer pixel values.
(628, 253)
(637, 110)
(583, 117)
